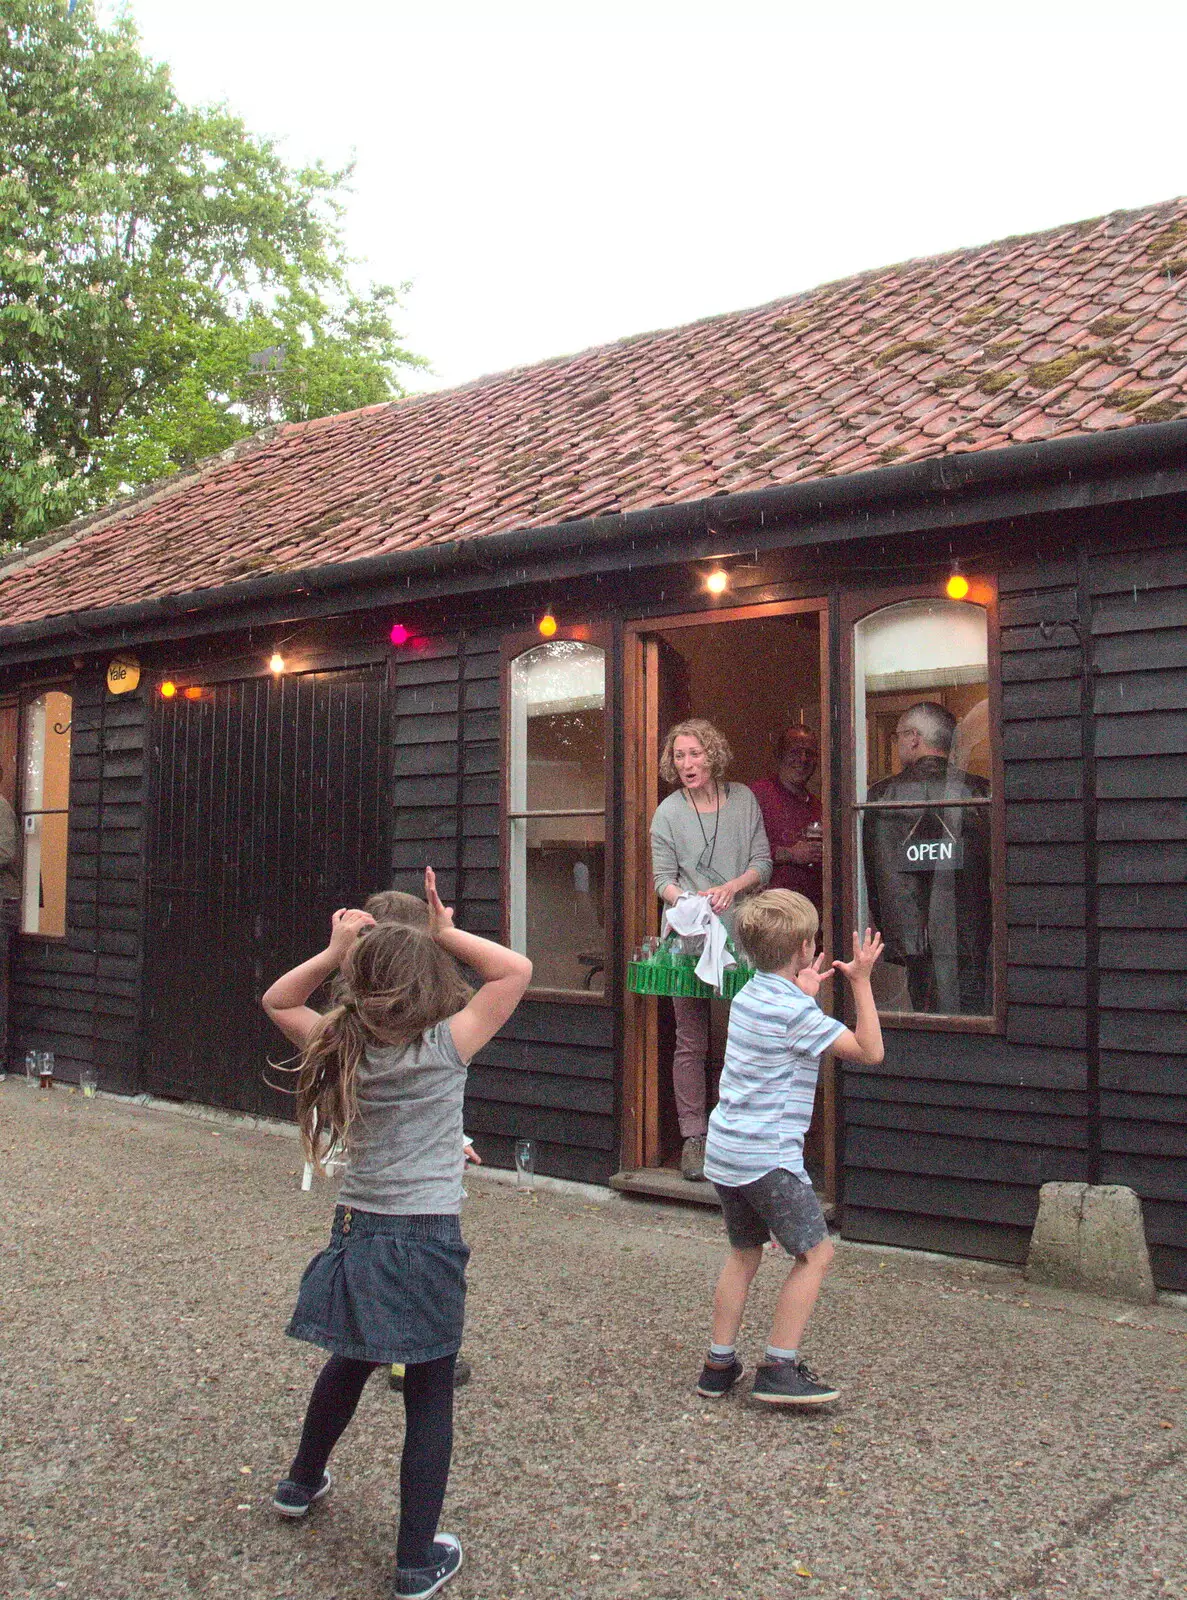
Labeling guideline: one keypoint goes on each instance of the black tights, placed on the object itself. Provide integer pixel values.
(428, 1442)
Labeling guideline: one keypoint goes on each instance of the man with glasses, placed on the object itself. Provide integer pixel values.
(927, 865)
(791, 816)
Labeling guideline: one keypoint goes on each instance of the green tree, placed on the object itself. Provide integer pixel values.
(148, 250)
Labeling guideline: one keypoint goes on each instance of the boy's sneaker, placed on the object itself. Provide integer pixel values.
(294, 1499)
(790, 1383)
(417, 1583)
(719, 1377)
(462, 1373)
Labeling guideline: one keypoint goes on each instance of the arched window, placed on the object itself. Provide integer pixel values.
(556, 812)
(923, 804)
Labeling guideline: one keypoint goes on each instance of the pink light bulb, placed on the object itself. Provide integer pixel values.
(399, 634)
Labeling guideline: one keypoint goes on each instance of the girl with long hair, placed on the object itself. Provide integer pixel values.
(383, 1075)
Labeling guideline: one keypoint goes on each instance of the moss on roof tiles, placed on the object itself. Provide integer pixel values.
(978, 314)
(1108, 327)
(1168, 240)
(1161, 411)
(906, 347)
(1128, 399)
(995, 382)
(1000, 348)
(1049, 374)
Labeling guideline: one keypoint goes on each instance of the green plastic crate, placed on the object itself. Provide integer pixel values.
(678, 977)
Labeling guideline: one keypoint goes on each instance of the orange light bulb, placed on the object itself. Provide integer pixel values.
(276, 663)
(717, 582)
(547, 625)
(193, 692)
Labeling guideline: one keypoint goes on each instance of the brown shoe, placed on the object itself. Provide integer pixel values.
(692, 1160)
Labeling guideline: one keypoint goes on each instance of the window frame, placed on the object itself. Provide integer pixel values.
(512, 646)
(857, 606)
(24, 700)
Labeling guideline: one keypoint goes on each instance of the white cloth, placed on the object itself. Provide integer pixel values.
(693, 915)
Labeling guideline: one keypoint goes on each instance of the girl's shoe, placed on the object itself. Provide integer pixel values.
(417, 1583)
(294, 1499)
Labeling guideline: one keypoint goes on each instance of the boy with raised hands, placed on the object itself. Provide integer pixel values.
(754, 1154)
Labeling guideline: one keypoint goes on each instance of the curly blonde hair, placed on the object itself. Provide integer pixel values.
(715, 744)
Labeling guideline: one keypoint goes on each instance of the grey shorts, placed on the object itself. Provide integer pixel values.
(776, 1206)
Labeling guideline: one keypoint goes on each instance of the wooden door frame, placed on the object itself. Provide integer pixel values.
(641, 735)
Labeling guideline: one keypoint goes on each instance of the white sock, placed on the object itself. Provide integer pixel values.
(775, 1354)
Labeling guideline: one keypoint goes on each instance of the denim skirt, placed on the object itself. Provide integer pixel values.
(385, 1288)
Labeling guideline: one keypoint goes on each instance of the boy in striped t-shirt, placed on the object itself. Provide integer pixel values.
(754, 1154)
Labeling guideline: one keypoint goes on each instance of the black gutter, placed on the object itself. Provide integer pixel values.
(942, 492)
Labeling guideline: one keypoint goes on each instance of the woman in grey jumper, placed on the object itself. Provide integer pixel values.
(706, 838)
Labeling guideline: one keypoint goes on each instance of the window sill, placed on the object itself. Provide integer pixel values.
(930, 1022)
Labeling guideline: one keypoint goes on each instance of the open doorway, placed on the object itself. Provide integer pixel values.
(753, 672)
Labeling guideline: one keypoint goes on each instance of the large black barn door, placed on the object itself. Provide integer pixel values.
(269, 812)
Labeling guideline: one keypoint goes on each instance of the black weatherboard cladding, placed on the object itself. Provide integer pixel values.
(949, 1140)
(549, 1076)
(80, 996)
(1139, 647)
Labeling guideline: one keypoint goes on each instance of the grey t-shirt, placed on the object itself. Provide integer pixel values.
(699, 850)
(405, 1156)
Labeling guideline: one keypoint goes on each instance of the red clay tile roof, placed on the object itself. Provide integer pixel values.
(1060, 333)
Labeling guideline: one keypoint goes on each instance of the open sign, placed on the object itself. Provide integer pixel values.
(931, 855)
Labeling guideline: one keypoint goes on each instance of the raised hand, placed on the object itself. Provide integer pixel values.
(867, 952)
(345, 927)
(810, 978)
(440, 916)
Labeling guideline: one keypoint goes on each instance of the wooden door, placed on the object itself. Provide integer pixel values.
(269, 813)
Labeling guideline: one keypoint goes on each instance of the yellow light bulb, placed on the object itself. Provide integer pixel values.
(547, 625)
(168, 689)
(957, 586)
(717, 582)
(276, 664)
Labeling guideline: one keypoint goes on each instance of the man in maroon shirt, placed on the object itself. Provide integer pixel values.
(788, 810)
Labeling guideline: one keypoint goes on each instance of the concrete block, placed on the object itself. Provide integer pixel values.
(1090, 1237)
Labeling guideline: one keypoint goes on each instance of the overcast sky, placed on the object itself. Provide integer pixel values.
(555, 175)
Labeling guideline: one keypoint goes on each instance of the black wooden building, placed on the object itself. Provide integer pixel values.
(342, 676)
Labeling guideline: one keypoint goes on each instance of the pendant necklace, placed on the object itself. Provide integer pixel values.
(704, 862)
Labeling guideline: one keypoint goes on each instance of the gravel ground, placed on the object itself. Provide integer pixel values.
(993, 1440)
